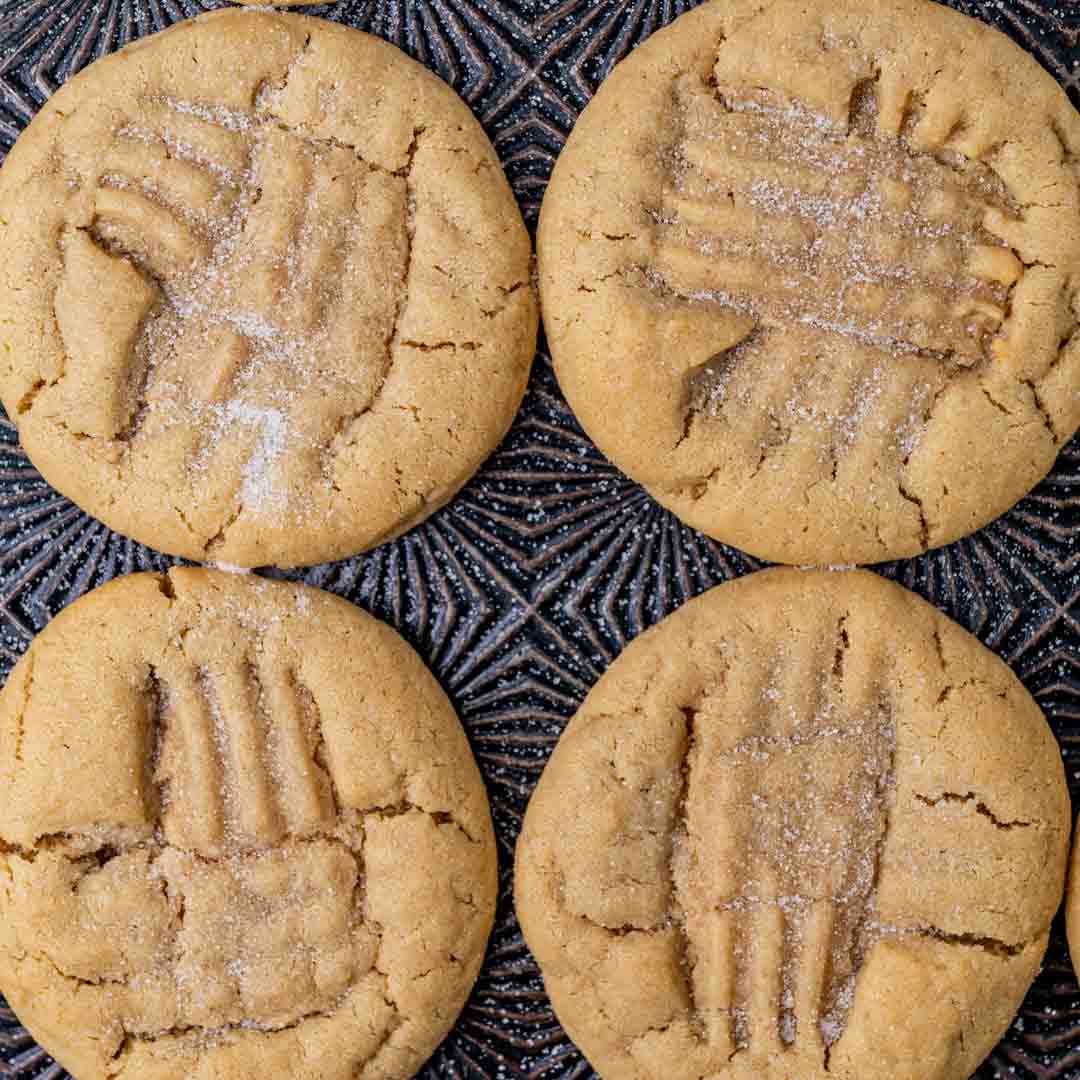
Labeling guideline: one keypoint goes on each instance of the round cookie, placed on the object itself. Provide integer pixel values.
(820, 832)
(823, 259)
(266, 292)
(242, 836)
(1072, 906)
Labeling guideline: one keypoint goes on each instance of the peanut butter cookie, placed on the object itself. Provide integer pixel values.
(265, 295)
(1072, 906)
(810, 271)
(242, 837)
(806, 827)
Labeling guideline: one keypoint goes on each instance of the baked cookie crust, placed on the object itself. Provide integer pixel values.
(809, 274)
(815, 830)
(241, 835)
(266, 292)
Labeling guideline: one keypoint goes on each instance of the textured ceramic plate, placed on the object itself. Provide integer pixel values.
(525, 587)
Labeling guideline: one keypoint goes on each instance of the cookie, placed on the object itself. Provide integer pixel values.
(806, 827)
(266, 292)
(242, 835)
(809, 274)
(1072, 907)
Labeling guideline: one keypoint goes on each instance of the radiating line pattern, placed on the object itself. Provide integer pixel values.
(523, 589)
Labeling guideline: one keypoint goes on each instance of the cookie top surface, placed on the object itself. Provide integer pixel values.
(824, 257)
(821, 833)
(243, 836)
(266, 293)
(1072, 908)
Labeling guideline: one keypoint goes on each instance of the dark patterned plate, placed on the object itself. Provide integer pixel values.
(524, 588)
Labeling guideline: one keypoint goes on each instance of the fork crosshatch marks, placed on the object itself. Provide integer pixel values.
(522, 590)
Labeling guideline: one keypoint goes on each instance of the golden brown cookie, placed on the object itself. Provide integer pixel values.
(810, 274)
(1072, 906)
(806, 827)
(265, 294)
(242, 836)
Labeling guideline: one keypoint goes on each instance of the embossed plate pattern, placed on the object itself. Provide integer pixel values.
(522, 590)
